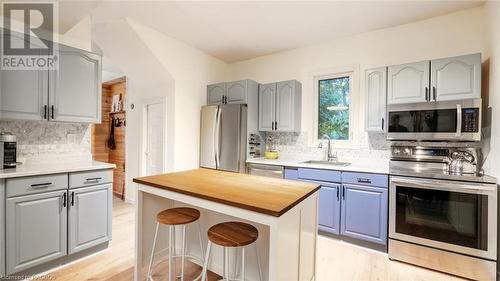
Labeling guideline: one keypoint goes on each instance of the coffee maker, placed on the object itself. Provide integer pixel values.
(8, 151)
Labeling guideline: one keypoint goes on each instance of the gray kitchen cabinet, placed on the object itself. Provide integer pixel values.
(280, 106)
(234, 92)
(376, 98)
(408, 83)
(216, 93)
(36, 229)
(23, 93)
(456, 78)
(89, 217)
(75, 87)
(267, 106)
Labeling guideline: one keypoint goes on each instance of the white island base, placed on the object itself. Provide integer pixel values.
(286, 245)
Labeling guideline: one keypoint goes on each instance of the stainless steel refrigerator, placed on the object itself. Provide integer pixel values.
(224, 137)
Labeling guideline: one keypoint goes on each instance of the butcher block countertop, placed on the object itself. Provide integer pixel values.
(260, 194)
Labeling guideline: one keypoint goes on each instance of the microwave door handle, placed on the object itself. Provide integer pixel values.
(459, 120)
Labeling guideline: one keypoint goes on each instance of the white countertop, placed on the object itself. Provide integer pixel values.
(377, 166)
(53, 168)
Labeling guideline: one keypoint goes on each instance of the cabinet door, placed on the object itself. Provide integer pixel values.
(267, 106)
(89, 221)
(376, 94)
(75, 87)
(456, 78)
(24, 93)
(285, 106)
(215, 93)
(408, 83)
(236, 92)
(36, 229)
(329, 208)
(364, 213)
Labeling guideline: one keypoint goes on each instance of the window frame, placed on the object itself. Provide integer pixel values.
(353, 73)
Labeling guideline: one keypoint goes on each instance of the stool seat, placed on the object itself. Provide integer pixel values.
(233, 234)
(178, 216)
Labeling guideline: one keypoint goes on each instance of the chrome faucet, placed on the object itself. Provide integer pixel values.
(330, 156)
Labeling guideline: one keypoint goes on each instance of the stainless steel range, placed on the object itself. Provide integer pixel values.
(443, 210)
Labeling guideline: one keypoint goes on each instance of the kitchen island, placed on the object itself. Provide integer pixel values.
(284, 212)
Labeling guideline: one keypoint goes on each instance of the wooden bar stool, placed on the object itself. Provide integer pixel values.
(231, 235)
(175, 217)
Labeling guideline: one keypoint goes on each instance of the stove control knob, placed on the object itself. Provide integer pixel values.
(407, 151)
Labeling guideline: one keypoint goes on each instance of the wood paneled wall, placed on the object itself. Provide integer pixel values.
(100, 135)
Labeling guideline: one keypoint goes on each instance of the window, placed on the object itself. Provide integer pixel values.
(334, 94)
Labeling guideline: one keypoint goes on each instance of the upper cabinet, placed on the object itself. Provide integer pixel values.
(216, 93)
(23, 93)
(456, 78)
(235, 92)
(267, 106)
(280, 106)
(75, 87)
(445, 79)
(376, 95)
(408, 83)
(69, 93)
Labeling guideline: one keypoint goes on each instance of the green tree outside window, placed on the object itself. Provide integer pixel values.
(333, 119)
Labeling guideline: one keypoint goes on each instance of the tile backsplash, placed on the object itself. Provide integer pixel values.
(372, 145)
(42, 141)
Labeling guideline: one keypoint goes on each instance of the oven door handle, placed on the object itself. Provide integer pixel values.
(459, 121)
(445, 186)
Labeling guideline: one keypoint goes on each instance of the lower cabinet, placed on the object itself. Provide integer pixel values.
(89, 217)
(36, 229)
(329, 208)
(350, 204)
(364, 213)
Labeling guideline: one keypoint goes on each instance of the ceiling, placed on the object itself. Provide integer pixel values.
(237, 30)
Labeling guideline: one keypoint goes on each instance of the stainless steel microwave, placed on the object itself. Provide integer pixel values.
(435, 121)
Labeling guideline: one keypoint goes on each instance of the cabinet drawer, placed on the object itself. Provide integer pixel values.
(88, 178)
(365, 179)
(319, 175)
(36, 184)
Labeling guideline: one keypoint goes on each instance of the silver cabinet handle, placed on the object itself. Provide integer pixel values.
(40, 185)
(364, 180)
(93, 180)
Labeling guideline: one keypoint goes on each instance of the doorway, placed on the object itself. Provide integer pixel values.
(108, 138)
(153, 142)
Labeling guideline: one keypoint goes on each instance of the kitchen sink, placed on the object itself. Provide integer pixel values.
(324, 162)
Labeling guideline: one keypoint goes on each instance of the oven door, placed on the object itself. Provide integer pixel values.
(454, 216)
(446, 120)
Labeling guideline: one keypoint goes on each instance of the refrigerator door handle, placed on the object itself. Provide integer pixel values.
(217, 137)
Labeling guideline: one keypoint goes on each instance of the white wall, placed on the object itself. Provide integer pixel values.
(492, 38)
(158, 66)
(453, 34)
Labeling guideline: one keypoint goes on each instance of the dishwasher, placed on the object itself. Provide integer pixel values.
(271, 171)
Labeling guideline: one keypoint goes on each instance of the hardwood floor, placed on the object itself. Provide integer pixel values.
(337, 260)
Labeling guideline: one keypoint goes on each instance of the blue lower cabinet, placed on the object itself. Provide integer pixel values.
(329, 208)
(364, 213)
(291, 174)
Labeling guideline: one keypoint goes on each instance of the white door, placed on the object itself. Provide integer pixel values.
(456, 78)
(216, 93)
(408, 83)
(376, 93)
(155, 143)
